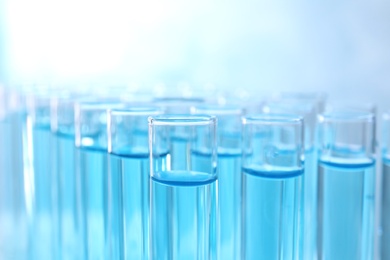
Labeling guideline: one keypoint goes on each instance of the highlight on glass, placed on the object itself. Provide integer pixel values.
(41, 194)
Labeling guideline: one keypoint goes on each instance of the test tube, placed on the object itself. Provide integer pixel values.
(129, 170)
(346, 192)
(40, 182)
(272, 170)
(183, 157)
(385, 203)
(308, 111)
(68, 181)
(229, 177)
(91, 141)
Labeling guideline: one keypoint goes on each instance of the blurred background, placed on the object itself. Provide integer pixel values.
(339, 47)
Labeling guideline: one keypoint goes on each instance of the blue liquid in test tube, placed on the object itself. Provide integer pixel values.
(91, 142)
(68, 179)
(129, 171)
(385, 213)
(40, 178)
(6, 180)
(229, 178)
(272, 186)
(15, 226)
(346, 185)
(183, 187)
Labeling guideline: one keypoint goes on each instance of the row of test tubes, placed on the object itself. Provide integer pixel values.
(117, 177)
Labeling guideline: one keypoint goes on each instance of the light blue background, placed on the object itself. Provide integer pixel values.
(341, 47)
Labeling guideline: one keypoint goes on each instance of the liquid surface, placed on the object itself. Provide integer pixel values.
(346, 209)
(270, 210)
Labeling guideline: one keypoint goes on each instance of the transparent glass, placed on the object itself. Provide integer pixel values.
(183, 158)
(229, 177)
(346, 192)
(40, 179)
(272, 170)
(308, 111)
(129, 192)
(68, 181)
(385, 187)
(91, 141)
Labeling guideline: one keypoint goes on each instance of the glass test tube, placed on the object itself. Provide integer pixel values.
(68, 181)
(229, 177)
(183, 156)
(308, 111)
(40, 188)
(129, 172)
(385, 203)
(346, 192)
(272, 170)
(91, 161)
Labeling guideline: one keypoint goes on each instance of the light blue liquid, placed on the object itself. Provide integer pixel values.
(69, 204)
(132, 169)
(270, 212)
(183, 214)
(309, 207)
(43, 238)
(229, 207)
(6, 191)
(19, 214)
(385, 226)
(346, 209)
(93, 171)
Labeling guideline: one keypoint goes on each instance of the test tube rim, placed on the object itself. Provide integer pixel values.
(273, 119)
(347, 116)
